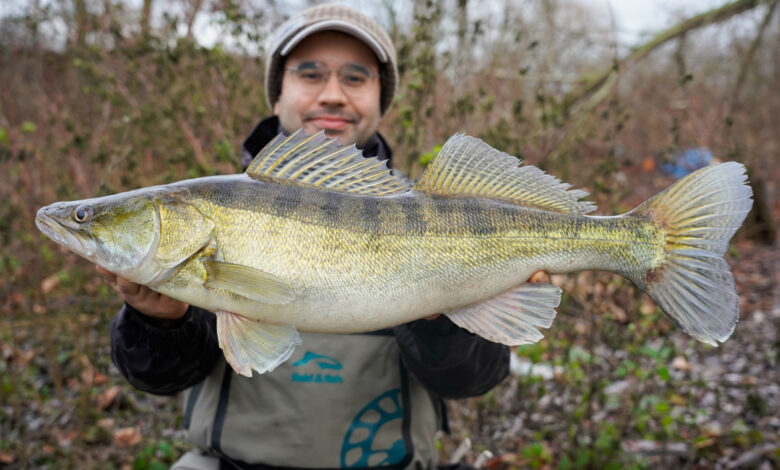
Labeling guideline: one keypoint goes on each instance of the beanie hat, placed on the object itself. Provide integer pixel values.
(330, 17)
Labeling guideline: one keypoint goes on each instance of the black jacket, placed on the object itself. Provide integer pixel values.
(449, 361)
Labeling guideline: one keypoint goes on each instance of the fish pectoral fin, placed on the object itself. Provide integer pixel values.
(247, 282)
(512, 316)
(250, 344)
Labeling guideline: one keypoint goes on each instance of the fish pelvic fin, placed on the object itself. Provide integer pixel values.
(693, 284)
(252, 345)
(467, 166)
(511, 317)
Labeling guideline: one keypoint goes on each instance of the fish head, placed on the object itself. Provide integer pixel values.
(129, 234)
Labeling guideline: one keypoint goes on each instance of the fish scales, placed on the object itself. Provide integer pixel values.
(316, 238)
(329, 250)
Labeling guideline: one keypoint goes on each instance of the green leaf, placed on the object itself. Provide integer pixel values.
(662, 407)
(428, 156)
(165, 449)
(141, 463)
(29, 127)
(157, 465)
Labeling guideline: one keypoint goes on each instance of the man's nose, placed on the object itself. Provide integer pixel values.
(332, 93)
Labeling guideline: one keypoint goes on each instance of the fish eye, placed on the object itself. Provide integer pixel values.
(81, 214)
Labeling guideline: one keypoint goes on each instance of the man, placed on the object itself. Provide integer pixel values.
(340, 400)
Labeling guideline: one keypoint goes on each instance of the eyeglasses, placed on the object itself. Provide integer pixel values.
(352, 77)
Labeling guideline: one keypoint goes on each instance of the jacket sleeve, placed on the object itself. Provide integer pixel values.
(164, 360)
(450, 361)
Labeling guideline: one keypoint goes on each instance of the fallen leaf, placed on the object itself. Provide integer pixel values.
(23, 357)
(127, 437)
(107, 397)
(64, 438)
(677, 400)
(106, 423)
(88, 370)
(100, 379)
(680, 363)
(50, 283)
(648, 164)
(713, 429)
(618, 312)
(6, 457)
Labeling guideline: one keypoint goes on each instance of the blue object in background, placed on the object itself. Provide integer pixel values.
(688, 162)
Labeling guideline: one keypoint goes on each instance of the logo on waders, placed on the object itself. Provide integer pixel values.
(316, 368)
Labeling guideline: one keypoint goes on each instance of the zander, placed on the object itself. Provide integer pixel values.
(315, 237)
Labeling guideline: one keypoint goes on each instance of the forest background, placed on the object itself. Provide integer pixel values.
(98, 97)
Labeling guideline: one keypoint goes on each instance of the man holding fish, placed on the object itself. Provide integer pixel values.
(357, 400)
(317, 238)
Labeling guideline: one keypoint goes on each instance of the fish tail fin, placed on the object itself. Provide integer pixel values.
(693, 284)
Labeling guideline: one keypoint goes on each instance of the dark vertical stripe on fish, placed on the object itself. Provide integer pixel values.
(480, 219)
(330, 203)
(286, 201)
(413, 216)
(370, 215)
(446, 208)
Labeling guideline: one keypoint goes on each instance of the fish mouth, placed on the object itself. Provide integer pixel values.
(64, 235)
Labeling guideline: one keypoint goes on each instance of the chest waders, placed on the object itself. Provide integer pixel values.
(340, 401)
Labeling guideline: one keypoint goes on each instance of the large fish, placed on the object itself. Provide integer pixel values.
(315, 237)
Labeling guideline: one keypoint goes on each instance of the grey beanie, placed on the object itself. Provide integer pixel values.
(329, 17)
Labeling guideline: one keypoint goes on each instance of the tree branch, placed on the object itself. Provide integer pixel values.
(598, 89)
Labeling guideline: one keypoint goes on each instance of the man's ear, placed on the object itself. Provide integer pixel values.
(276, 107)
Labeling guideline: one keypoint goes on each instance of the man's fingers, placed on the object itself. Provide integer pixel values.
(127, 287)
(539, 276)
(108, 276)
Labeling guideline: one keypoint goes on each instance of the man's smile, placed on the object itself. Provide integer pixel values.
(330, 122)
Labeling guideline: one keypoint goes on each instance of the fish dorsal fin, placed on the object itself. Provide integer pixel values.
(316, 161)
(467, 166)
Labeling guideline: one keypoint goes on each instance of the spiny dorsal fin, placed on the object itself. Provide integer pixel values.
(315, 160)
(467, 166)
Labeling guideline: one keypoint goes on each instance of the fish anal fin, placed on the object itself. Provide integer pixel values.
(252, 345)
(247, 282)
(317, 162)
(512, 316)
(467, 166)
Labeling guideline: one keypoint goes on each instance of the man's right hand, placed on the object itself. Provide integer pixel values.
(150, 303)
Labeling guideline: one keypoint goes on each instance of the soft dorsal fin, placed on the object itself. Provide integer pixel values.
(467, 166)
(315, 160)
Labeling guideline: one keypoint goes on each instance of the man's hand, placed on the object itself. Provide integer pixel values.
(538, 276)
(150, 303)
